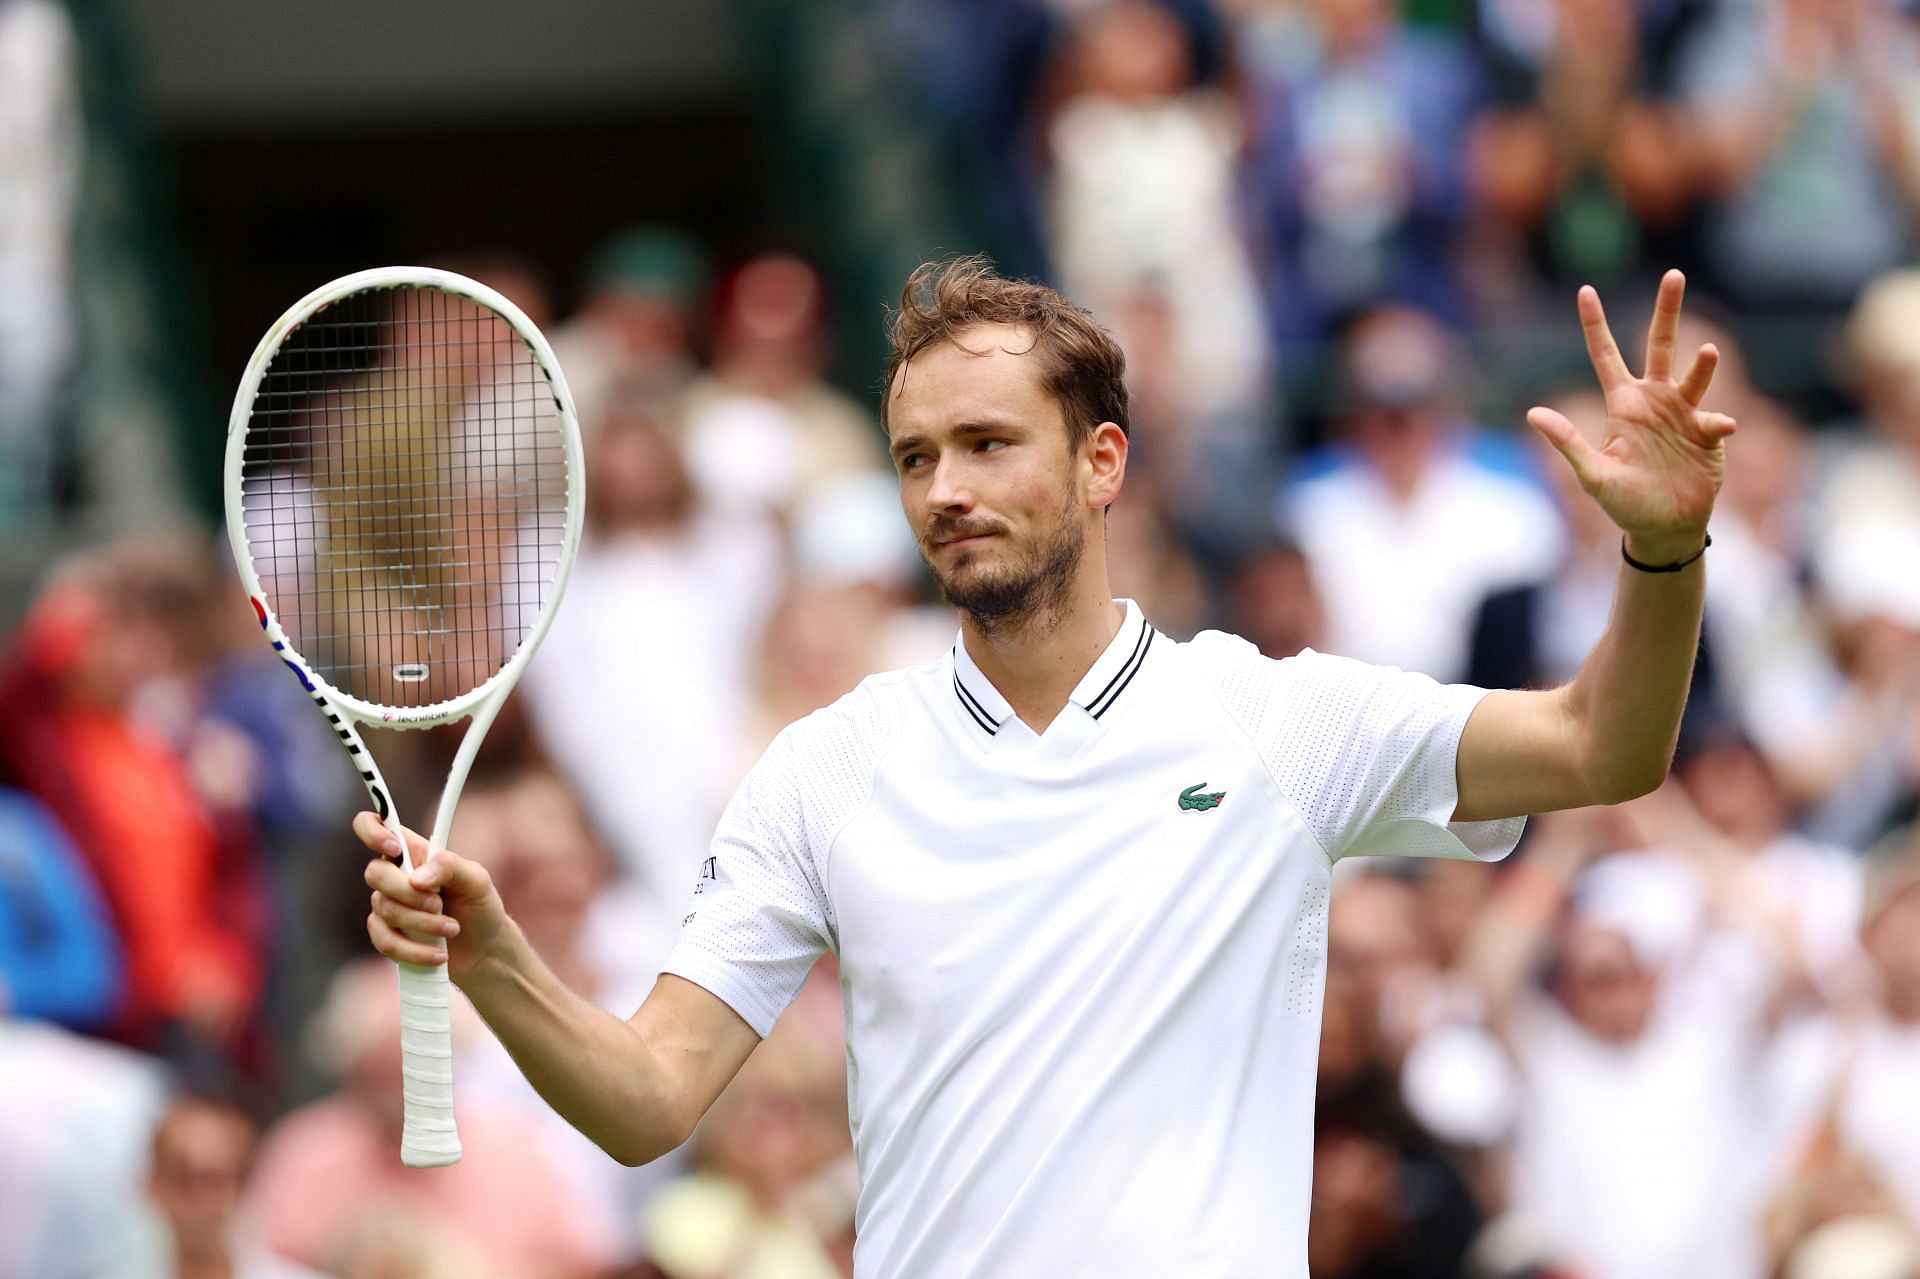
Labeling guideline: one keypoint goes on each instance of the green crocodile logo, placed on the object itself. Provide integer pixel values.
(1200, 803)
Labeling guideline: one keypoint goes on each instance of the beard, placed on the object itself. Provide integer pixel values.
(1010, 597)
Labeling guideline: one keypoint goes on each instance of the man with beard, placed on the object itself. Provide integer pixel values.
(1076, 873)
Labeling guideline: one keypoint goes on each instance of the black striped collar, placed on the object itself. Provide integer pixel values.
(1096, 693)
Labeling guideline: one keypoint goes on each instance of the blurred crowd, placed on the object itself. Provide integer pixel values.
(1338, 240)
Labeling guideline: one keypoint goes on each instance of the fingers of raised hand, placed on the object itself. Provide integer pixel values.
(469, 879)
(1601, 348)
(394, 944)
(374, 834)
(1714, 427)
(388, 880)
(407, 919)
(1693, 387)
(1664, 332)
(1567, 439)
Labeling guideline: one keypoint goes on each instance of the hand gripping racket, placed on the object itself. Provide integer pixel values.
(403, 492)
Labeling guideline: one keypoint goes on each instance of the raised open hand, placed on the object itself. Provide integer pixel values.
(1658, 470)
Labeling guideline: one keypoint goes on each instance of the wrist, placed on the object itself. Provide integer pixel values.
(1658, 550)
(498, 967)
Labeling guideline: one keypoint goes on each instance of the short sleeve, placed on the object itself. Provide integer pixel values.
(1365, 753)
(760, 913)
(759, 917)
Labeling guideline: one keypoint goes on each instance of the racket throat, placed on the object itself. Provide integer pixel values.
(362, 762)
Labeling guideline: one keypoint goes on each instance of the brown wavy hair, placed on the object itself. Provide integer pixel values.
(1081, 365)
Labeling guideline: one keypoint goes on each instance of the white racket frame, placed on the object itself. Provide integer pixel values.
(430, 1138)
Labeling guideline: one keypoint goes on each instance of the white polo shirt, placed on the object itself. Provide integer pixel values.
(1082, 969)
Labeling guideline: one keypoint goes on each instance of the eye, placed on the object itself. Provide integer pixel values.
(990, 445)
(913, 461)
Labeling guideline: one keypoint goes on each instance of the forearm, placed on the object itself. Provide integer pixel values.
(1627, 699)
(594, 1069)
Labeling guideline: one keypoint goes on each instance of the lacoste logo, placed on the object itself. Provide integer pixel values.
(1189, 799)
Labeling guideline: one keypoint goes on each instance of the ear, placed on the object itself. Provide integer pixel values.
(1106, 463)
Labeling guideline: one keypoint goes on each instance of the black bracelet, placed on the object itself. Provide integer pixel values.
(1675, 567)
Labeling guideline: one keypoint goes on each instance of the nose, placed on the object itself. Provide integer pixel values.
(948, 493)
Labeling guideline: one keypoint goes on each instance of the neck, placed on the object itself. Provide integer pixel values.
(1036, 664)
(203, 1265)
(1902, 1004)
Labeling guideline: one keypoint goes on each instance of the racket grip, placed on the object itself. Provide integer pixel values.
(429, 1138)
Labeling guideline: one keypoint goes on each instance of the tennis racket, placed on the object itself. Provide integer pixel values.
(403, 495)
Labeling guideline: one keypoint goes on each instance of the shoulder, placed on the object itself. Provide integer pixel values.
(1226, 657)
(819, 772)
(1313, 692)
(1255, 689)
(845, 739)
(869, 711)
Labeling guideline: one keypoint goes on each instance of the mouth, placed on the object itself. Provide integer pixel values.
(961, 542)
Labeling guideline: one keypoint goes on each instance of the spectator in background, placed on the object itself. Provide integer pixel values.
(1155, 568)
(41, 158)
(1862, 774)
(1358, 161)
(1873, 489)
(329, 1193)
(978, 66)
(1858, 765)
(1386, 1203)
(76, 1120)
(109, 630)
(202, 1156)
(1836, 1222)
(1454, 1079)
(1848, 1109)
(1275, 603)
(60, 958)
(1795, 896)
(1404, 527)
(1373, 930)
(774, 1186)
(641, 688)
(818, 644)
(848, 610)
(514, 276)
(1572, 160)
(1144, 228)
(763, 427)
(1636, 1141)
(1775, 674)
(848, 539)
(1802, 114)
(527, 828)
(645, 287)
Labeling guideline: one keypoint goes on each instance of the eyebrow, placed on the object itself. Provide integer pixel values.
(979, 426)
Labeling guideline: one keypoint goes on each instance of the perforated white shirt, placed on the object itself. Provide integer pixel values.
(1082, 968)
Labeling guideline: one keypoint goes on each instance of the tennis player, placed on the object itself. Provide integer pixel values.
(1077, 872)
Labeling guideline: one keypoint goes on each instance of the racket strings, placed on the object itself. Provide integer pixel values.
(405, 490)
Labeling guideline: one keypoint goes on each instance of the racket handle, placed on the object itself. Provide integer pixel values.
(429, 1138)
